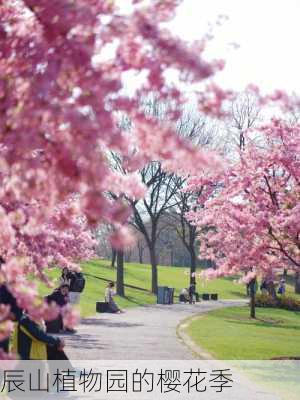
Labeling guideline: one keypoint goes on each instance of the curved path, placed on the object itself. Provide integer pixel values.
(141, 333)
(150, 333)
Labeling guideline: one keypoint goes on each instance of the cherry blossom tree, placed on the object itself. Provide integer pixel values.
(255, 216)
(58, 97)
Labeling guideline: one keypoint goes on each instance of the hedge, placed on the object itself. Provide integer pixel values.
(285, 302)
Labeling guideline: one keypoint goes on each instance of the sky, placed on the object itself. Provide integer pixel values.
(266, 31)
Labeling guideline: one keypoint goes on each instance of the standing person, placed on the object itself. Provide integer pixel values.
(264, 287)
(108, 298)
(77, 284)
(65, 278)
(281, 289)
(192, 291)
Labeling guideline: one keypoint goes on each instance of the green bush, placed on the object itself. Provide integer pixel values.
(285, 302)
(289, 303)
(265, 300)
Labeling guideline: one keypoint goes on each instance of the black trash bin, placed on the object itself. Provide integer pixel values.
(205, 296)
(165, 295)
(170, 297)
(161, 294)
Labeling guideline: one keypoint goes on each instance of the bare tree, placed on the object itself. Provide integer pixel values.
(186, 231)
(203, 133)
(128, 255)
(160, 198)
(141, 248)
(118, 255)
(244, 113)
(103, 246)
(113, 257)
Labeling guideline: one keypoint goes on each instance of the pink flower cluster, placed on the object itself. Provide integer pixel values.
(251, 223)
(57, 109)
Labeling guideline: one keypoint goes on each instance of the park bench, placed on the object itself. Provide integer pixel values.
(102, 307)
(209, 296)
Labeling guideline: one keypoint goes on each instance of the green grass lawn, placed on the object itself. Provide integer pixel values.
(140, 275)
(230, 334)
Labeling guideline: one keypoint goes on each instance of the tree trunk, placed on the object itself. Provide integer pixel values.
(252, 298)
(297, 282)
(113, 258)
(120, 274)
(172, 257)
(127, 256)
(285, 273)
(153, 261)
(141, 251)
(193, 265)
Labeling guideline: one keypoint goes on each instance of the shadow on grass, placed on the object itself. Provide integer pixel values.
(264, 324)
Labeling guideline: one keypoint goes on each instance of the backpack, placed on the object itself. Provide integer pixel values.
(79, 282)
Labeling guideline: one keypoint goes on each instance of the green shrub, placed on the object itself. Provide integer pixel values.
(285, 302)
(289, 303)
(265, 300)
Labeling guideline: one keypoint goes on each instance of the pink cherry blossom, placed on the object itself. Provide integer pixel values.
(58, 101)
(70, 317)
(253, 220)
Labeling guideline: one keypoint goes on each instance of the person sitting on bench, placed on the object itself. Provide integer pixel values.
(108, 298)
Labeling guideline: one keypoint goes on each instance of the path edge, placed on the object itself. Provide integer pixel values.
(196, 350)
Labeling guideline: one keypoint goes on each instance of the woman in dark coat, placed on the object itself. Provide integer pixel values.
(60, 298)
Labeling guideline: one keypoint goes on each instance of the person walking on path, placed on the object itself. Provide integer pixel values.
(108, 298)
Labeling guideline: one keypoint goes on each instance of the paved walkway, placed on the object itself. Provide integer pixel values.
(149, 333)
(141, 333)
